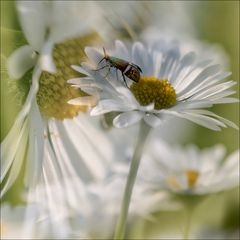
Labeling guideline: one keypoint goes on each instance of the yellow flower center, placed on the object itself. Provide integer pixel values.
(153, 90)
(192, 176)
(54, 91)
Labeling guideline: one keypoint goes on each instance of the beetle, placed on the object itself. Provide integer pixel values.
(130, 70)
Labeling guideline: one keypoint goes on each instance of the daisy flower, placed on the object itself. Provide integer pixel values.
(54, 45)
(189, 173)
(165, 83)
(96, 208)
(189, 170)
(171, 85)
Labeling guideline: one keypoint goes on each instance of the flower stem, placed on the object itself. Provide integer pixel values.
(142, 137)
(190, 210)
(188, 224)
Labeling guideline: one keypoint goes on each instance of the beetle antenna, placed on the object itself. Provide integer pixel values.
(104, 51)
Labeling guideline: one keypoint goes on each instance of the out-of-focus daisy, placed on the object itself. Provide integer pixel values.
(97, 206)
(189, 170)
(56, 34)
(182, 22)
(172, 85)
(189, 173)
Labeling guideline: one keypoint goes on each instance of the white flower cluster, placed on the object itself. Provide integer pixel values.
(63, 146)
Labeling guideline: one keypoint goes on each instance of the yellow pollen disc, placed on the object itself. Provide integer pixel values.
(54, 91)
(153, 90)
(192, 176)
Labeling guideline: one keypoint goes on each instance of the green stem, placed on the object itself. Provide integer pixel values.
(188, 224)
(142, 137)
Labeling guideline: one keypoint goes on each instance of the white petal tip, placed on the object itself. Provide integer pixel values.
(83, 101)
(20, 61)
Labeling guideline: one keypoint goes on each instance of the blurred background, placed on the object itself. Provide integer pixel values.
(209, 21)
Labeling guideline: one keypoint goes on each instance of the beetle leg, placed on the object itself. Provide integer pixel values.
(101, 60)
(109, 67)
(101, 68)
(124, 79)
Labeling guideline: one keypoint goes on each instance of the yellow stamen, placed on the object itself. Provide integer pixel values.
(54, 91)
(192, 176)
(153, 90)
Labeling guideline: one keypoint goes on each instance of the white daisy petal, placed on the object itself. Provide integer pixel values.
(152, 120)
(127, 119)
(94, 55)
(187, 60)
(202, 120)
(209, 113)
(100, 154)
(92, 91)
(212, 91)
(122, 50)
(81, 81)
(205, 121)
(226, 100)
(139, 56)
(190, 74)
(222, 95)
(16, 161)
(79, 69)
(191, 105)
(126, 93)
(10, 146)
(209, 82)
(83, 101)
(36, 146)
(105, 106)
(20, 61)
(171, 57)
(46, 59)
(148, 108)
(204, 74)
(34, 15)
(15, 137)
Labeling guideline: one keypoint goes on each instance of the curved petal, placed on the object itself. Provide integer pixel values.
(33, 17)
(94, 55)
(20, 61)
(152, 120)
(46, 59)
(10, 144)
(15, 158)
(127, 119)
(73, 18)
(109, 105)
(31, 95)
(84, 101)
(209, 113)
(122, 50)
(35, 147)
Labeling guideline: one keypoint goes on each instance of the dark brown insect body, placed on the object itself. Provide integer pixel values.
(130, 70)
